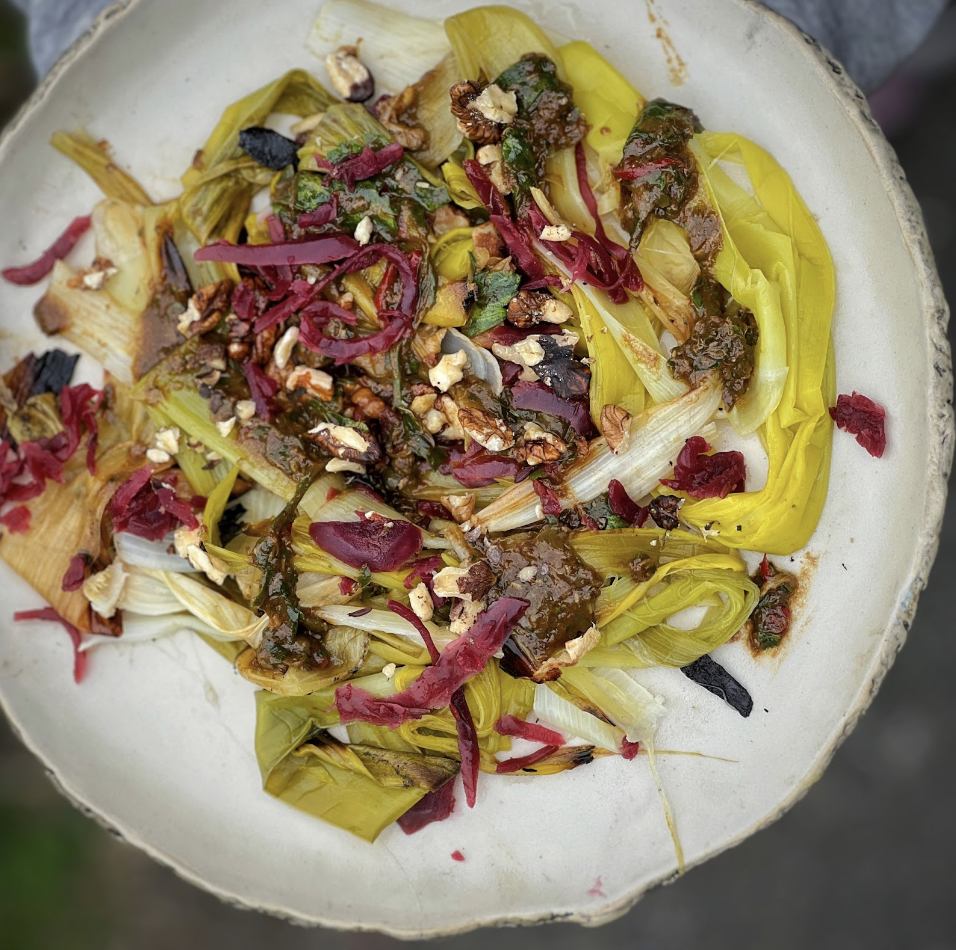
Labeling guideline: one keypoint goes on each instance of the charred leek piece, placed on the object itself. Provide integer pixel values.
(95, 159)
(656, 436)
(219, 186)
(93, 320)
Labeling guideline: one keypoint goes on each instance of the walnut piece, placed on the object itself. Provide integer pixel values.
(489, 248)
(399, 116)
(487, 430)
(420, 600)
(531, 307)
(449, 409)
(492, 161)
(471, 123)
(461, 506)
(450, 370)
(314, 381)
(206, 308)
(539, 447)
(616, 427)
(346, 443)
(496, 105)
(350, 78)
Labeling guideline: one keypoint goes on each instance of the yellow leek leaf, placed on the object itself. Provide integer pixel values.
(450, 254)
(460, 189)
(613, 379)
(777, 206)
(608, 101)
(644, 629)
(487, 40)
(781, 517)
(752, 288)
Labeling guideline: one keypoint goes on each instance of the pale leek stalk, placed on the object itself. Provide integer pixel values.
(656, 436)
(95, 159)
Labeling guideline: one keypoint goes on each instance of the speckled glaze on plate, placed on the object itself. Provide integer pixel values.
(157, 743)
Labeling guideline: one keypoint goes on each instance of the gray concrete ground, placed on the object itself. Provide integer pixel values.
(866, 862)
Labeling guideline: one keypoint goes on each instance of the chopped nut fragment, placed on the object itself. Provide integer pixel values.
(489, 248)
(188, 317)
(570, 655)
(527, 352)
(96, 276)
(368, 404)
(399, 116)
(449, 409)
(363, 231)
(350, 78)
(341, 465)
(434, 421)
(206, 308)
(238, 351)
(487, 430)
(420, 600)
(491, 159)
(389, 670)
(556, 232)
(446, 218)
(245, 410)
(104, 589)
(226, 426)
(345, 435)
(450, 370)
(427, 341)
(283, 349)
(615, 425)
(315, 381)
(423, 404)
(496, 105)
(188, 544)
(168, 440)
(527, 574)
(463, 616)
(346, 442)
(158, 456)
(461, 506)
(446, 583)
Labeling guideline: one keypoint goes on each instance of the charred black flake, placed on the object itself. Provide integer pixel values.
(708, 673)
(269, 148)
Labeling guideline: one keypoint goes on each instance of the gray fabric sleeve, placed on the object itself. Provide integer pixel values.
(870, 37)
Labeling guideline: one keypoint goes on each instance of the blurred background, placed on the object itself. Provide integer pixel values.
(867, 861)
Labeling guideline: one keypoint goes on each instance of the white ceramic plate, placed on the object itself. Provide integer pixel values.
(157, 743)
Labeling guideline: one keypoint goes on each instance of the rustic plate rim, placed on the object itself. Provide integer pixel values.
(940, 392)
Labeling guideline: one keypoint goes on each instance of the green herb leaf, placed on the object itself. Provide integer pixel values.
(494, 290)
(310, 191)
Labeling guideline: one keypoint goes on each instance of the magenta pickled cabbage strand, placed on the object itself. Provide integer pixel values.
(459, 661)
(379, 545)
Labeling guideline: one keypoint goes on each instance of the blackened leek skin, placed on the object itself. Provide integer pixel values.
(707, 672)
(269, 148)
(561, 595)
